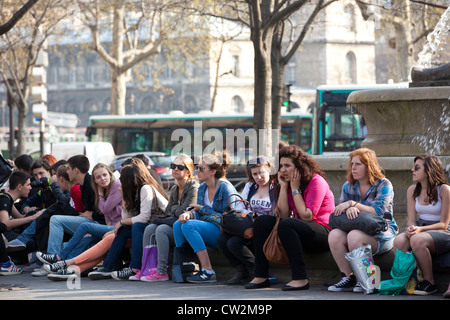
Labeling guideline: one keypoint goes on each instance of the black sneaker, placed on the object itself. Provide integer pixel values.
(425, 289)
(123, 274)
(62, 275)
(344, 285)
(202, 277)
(99, 274)
(55, 267)
(46, 258)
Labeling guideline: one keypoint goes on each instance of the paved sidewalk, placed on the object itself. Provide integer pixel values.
(27, 287)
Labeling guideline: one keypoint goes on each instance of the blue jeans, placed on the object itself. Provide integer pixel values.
(28, 233)
(87, 234)
(200, 234)
(136, 233)
(60, 225)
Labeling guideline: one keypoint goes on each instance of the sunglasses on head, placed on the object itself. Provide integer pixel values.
(259, 160)
(180, 167)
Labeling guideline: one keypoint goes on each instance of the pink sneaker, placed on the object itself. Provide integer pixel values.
(136, 276)
(155, 276)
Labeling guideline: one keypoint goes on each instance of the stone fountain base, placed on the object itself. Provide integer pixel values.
(406, 121)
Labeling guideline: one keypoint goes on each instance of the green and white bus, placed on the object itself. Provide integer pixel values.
(153, 132)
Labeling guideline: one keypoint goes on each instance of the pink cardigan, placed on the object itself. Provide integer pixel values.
(318, 198)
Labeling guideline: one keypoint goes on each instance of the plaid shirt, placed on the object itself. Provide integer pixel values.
(380, 196)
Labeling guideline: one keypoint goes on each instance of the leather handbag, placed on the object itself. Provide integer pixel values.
(273, 248)
(237, 222)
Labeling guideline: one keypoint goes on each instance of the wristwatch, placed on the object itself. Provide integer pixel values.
(297, 191)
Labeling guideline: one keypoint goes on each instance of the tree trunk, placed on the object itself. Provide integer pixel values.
(22, 112)
(118, 91)
(118, 77)
(277, 78)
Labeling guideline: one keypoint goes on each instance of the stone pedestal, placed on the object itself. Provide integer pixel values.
(406, 121)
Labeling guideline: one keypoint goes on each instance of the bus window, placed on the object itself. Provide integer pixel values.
(342, 131)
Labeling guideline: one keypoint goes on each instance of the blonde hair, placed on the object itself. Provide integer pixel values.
(188, 162)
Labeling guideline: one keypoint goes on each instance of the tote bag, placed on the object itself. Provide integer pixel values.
(149, 257)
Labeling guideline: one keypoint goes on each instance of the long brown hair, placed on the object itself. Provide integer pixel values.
(306, 165)
(369, 159)
(133, 177)
(435, 176)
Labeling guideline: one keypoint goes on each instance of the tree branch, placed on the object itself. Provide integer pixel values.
(16, 17)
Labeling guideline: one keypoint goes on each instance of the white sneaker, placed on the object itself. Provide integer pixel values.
(358, 288)
(16, 243)
(39, 273)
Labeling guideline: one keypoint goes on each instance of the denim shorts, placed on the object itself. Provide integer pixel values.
(384, 246)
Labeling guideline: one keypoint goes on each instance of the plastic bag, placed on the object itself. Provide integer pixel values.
(401, 272)
(363, 268)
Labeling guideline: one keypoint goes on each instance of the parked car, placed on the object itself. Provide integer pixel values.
(159, 161)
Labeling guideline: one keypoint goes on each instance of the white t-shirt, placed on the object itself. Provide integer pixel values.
(262, 206)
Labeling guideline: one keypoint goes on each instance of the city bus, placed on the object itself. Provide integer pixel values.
(331, 127)
(153, 132)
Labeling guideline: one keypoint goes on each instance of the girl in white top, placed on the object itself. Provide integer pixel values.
(142, 196)
(258, 192)
(427, 230)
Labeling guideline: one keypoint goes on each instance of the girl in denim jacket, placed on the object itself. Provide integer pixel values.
(200, 227)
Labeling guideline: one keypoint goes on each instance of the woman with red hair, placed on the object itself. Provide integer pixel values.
(366, 190)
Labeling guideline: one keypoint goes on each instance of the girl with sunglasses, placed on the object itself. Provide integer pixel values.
(427, 230)
(258, 191)
(200, 227)
(181, 195)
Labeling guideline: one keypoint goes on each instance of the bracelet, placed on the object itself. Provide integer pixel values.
(297, 191)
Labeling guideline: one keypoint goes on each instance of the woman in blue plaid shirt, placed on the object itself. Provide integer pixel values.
(366, 190)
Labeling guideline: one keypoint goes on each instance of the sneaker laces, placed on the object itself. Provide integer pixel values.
(344, 282)
(58, 266)
(125, 273)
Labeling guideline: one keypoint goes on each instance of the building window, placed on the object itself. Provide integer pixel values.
(237, 105)
(72, 76)
(235, 68)
(350, 68)
(168, 72)
(90, 74)
(291, 73)
(349, 18)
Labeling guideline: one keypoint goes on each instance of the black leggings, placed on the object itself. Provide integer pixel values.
(295, 235)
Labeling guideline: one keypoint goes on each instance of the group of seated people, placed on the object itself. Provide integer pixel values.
(80, 222)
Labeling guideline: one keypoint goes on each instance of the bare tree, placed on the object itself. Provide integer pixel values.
(262, 17)
(19, 50)
(125, 33)
(281, 55)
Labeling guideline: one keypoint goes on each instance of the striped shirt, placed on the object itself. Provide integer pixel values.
(380, 196)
